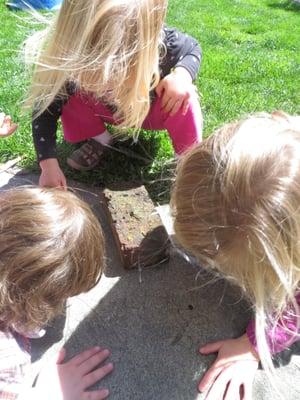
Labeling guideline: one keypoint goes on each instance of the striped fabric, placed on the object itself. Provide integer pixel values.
(14, 364)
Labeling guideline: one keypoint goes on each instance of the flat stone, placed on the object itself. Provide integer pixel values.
(139, 234)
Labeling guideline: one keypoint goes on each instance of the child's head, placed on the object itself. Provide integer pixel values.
(105, 46)
(237, 206)
(51, 248)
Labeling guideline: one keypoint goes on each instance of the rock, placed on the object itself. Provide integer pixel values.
(140, 236)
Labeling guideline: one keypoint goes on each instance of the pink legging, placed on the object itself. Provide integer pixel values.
(83, 118)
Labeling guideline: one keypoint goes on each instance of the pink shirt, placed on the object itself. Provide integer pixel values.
(278, 337)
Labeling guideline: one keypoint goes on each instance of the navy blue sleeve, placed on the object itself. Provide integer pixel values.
(44, 126)
(181, 51)
(44, 129)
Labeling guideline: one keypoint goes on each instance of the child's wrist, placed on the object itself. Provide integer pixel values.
(183, 72)
(252, 349)
(48, 163)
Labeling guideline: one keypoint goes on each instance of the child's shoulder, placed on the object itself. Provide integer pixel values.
(14, 364)
(14, 350)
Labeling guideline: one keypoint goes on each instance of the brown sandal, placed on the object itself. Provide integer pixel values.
(87, 156)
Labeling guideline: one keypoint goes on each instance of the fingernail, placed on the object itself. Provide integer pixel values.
(105, 392)
(106, 352)
(201, 389)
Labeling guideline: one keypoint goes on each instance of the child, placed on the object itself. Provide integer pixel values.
(236, 203)
(112, 61)
(7, 128)
(51, 248)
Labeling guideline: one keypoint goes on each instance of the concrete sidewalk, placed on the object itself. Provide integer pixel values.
(153, 322)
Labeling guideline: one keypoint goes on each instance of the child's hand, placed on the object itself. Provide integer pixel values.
(52, 175)
(69, 381)
(231, 375)
(6, 126)
(175, 91)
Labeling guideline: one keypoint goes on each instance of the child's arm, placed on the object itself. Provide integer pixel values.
(44, 129)
(178, 68)
(182, 51)
(237, 359)
(69, 381)
(7, 128)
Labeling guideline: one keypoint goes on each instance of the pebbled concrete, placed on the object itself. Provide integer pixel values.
(154, 321)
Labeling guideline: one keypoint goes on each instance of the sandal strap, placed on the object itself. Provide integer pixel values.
(91, 152)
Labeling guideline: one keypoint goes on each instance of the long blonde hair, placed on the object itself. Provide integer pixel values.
(104, 46)
(51, 248)
(237, 208)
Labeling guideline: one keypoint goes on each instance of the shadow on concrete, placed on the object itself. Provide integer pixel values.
(154, 323)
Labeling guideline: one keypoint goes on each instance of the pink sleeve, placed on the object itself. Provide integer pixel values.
(278, 337)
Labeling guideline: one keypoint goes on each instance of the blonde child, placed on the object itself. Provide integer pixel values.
(51, 248)
(7, 127)
(112, 61)
(237, 209)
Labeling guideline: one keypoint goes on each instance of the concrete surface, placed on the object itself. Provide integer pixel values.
(154, 322)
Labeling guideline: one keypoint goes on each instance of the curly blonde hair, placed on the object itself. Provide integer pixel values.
(237, 208)
(103, 46)
(51, 248)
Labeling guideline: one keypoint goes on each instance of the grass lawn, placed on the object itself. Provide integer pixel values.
(251, 62)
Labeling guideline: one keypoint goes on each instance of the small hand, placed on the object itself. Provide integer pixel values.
(7, 128)
(175, 90)
(231, 375)
(52, 175)
(70, 380)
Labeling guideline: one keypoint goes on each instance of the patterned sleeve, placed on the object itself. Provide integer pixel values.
(44, 127)
(182, 51)
(280, 337)
(14, 366)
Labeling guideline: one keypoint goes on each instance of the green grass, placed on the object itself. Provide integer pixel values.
(251, 62)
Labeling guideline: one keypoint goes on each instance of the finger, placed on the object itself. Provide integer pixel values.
(233, 391)
(96, 395)
(209, 377)
(10, 130)
(220, 385)
(247, 391)
(89, 364)
(164, 100)
(85, 355)
(7, 129)
(7, 120)
(159, 89)
(13, 128)
(185, 106)
(177, 106)
(170, 105)
(211, 347)
(41, 181)
(5, 132)
(97, 375)
(61, 356)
